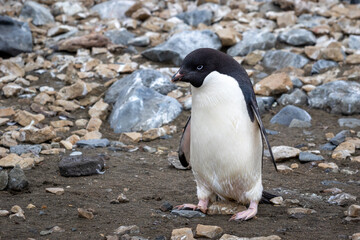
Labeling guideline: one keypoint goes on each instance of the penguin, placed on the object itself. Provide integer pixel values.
(223, 138)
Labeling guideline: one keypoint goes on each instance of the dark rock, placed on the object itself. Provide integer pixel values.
(181, 44)
(20, 149)
(349, 122)
(187, 213)
(113, 9)
(288, 113)
(264, 103)
(40, 14)
(166, 206)
(327, 147)
(278, 59)
(297, 83)
(93, 143)
(252, 40)
(15, 37)
(309, 157)
(3, 179)
(337, 97)
(194, 18)
(17, 179)
(354, 42)
(75, 166)
(298, 37)
(322, 65)
(340, 137)
(297, 97)
(121, 37)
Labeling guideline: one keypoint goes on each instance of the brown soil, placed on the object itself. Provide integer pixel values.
(148, 180)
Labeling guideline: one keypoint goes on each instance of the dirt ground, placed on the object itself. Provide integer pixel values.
(148, 180)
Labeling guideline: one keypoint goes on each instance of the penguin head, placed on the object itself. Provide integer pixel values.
(198, 64)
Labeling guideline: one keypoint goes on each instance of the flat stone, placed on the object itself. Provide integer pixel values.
(119, 36)
(85, 213)
(75, 166)
(278, 59)
(34, 135)
(322, 65)
(309, 157)
(93, 143)
(99, 109)
(274, 84)
(194, 18)
(284, 169)
(288, 113)
(341, 199)
(17, 179)
(13, 159)
(113, 9)
(6, 112)
(12, 90)
(349, 122)
(56, 191)
(20, 149)
(61, 123)
(353, 59)
(339, 137)
(94, 124)
(329, 165)
(300, 210)
(285, 152)
(297, 37)
(24, 118)
(187, 213)
(78, 89)
(344, 150)
(127, 230)
(227, 36)
(182, 233)
(39, 14)
(88, 41)
(208, 231)
(277, 200)
(3, 179)
(155, 133)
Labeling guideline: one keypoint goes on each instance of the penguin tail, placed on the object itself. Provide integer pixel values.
(266, 196)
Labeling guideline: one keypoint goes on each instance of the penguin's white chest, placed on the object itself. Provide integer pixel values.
(226, 146)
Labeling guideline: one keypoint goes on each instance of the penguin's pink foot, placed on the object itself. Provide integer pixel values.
(202, 206)
(247, 214)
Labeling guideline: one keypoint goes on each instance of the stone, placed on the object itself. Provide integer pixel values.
(288, 113)
(12, 90)
(75, 166)
(333, 52)
(23, 148)
(67, 105)
(13, 159)
(253, 40)
(322, 65)
(58, 30)
(278, 59)
(17, 212)
(354, 42)
(39, 14)
(194, 18)
(17, 179)
(187, 213)
(166, 207)
(3, 179)
(297, 37)
(353, 211)
(344, 150)
(61, 123)
(274, 84)
(329, 165)
(99, 110)
(208, 231)
(277, 200)
(309, 157)
(155, 133)
(85, 213)
(355, 159)
(355, 236)
(78, 89)
(94, 124)
(55, 190)
(297, 97)
(173, 161)
(130, 137)
(94, 135)
(339, 137)
(283, 168)
(6, 111)
(113, 9)
(285, 152)
(286, 19)
(142, 41)
(68, 8)
(141, 14)
(72, 44)
(15, 36)
(227, 36)
(341, 199)
(254, 57)
(53, 151)
(127, 230)
(353, 59)
(34, 135)
(182, 233)
(293, 211)
(296, 123)
(121, 37)
(327, 147)
(264, 103)
(225, 208)
(24, 118)
(4, 213)
(181, 44)
(349, 122)
(93, 143)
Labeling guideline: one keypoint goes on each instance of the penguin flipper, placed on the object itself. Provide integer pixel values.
(184, 148)
(256, 112)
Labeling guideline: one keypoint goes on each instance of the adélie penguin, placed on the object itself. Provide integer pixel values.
(223, 138)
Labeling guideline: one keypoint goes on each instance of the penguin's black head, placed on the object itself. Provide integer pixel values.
(200, 63)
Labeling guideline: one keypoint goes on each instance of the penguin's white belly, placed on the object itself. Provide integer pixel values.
(226, 146)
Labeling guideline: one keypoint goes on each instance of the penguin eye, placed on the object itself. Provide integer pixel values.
(199, 67)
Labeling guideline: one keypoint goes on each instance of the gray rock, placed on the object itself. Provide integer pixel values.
(264, 103)
(288, 113)
(93, 143)
(309, 157)
(15, 36)
(310, 20)
(120, 36)
(144, 77)
(252, 40)
(269, 7)
(75, 166)
(354, 42)
(298, 37)
(181, 44)
(196, 17)
(4, 179)
(296, 123)
(187, 213)
(340, 137)
(338, 97)
(277, 59)
(113, 9)
(297, 97)
(20, 149)
(271, 132)
(297, 83)
(142, 41)
(342, 199)
(17, 179)
(327, 147)
(40, 14)
(322, 65)
(349, 122)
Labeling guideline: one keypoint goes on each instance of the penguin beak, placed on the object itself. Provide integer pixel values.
(177, 76)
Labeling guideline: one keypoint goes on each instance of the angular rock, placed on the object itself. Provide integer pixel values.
(333, 52)
(227, 36)
(286, 19)
(12, 90)
(4, 179)
(339, 137)
(344, 150)
(349, 122)
(182, 233)
(130, 137)
(292, 211)
(4, 213)
(285, 152)
(55, 190)
(264, 103)
(353, 211)
(155, 133)
(342, 199)
(354, 42)
(187, 213)
(142, 41)
(329, 165)
(93, 143)
(297, 97)
(39, 14)
(288, 113)
(283, 168)
(276, 83)
(127, 230)
(298, 37)
(353, 59)
(327, 147)
(24, 118)
(73, 91)
(86, 41)
(120, 37)
(309, 157)
(194, 18)
(355, 236)
(22, 148)
(181, 44)
(6, 112)
(61, 123)
(208, 231)
(75, 166)
(17, 179)
(99, 109)
(18, 212)
(94, 124)
(85, 213)
(253, 40)
(113, 9)
(322, 65)
(13, 159)
(34, 135)
(278, 59)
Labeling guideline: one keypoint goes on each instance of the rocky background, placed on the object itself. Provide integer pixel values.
(87, 109)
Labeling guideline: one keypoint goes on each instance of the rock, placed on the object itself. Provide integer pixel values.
(120, 37)
(6, 112)
(309, 157)
(355, 236)
(354, 42)
(75, 166)
(253, 40)
(141, 14)
(20, 149)
(327, 147)
(353, 211)
(99, 110)
(322, 65)
(73, 91)
(17, 212)
(85, 213)
(225, 208)
(297, 37)
(56, 190)
(344, 150)
(127, 230)
(130, 137)
(294, 211)
(34, 135)
(208, 231)
(13, 159)
(329, 165)
(341, 199)
(166, 207)
(53, 151)
(173, 160)
(264, 103)
(297, 97)
(155, 133)
(286, 19)
(113, 9)
(274, 84)
(142, 41)
(180, 44)
(187, 213)
(68, 7)
(339, 137)
(39, 14)
(12, 90)
(86, 41)
(277, 200)
(194, 18)
(353, 59)
(333, 52)
(94, 124)
(296, 123)
(283, 168)
(3, 179)
(288, 113)
(61, 123)
(15, 36)
(122, 198)
(254, 57)
(349, 122)
(24, 118)
(355, 159)
(67, 105)
(227, 36)
(93, 143)
(94, 135)
(182, 233)
(278, 59)
(17, 179)
(285, 152)
(4, 213)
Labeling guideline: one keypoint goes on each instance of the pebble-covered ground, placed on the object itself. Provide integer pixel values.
(90, 123)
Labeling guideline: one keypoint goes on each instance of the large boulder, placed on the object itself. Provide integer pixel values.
(40, 14)
(181, 44)
(278, 59)
(15, 36)
(286, 115)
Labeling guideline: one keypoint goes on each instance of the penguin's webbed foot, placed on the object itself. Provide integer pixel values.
(247, 214)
